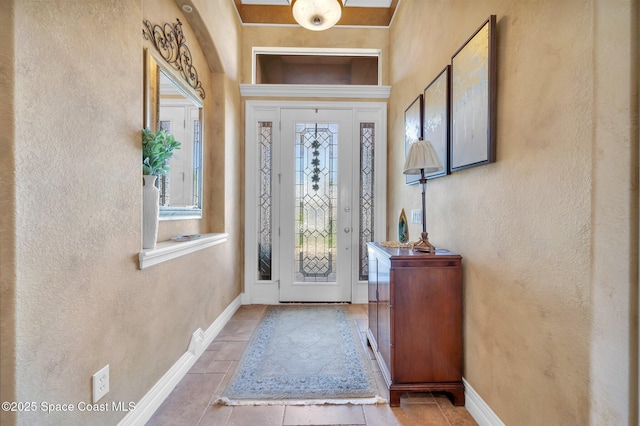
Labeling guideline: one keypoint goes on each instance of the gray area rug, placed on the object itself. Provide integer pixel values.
(303, 355)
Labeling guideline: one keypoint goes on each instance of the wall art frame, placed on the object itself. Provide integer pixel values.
(412, 131)
(436, 109)
(473, 100)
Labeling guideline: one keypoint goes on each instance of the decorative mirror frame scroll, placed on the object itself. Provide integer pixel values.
(171, 44)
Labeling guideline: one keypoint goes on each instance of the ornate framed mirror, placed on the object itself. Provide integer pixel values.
(172, 105)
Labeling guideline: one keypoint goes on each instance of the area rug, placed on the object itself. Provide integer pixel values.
(303, 355)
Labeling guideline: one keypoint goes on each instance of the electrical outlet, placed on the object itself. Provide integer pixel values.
(100, 383)
(416, 216)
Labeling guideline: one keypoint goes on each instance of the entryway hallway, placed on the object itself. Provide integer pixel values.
(190, 402)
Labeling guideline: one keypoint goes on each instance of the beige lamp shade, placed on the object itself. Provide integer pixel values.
(421, 156)
(316, 15)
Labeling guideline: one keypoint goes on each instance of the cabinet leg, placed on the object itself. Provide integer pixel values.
(457, 396)
(394, 398)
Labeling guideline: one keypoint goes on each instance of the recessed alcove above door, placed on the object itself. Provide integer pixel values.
(360, 67)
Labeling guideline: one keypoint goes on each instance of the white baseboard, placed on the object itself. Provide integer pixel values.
(200, 341)
(361, 293)
(479, 410)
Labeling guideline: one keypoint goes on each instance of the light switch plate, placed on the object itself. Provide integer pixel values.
(416, 216)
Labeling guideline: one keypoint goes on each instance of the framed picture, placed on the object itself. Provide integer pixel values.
(436, 119)
(412, 131)
(473, 100)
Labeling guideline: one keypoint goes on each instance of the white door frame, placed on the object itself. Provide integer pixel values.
(266, 292)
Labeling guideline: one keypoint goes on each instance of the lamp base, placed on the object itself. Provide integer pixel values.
(424, 245)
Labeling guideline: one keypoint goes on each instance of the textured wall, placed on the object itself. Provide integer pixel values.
(80, 300)
(219, 29)
(525, 225)
(7, 213)
(215, 20)
(614, 356)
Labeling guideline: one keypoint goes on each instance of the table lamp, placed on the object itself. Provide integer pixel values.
(422, 159)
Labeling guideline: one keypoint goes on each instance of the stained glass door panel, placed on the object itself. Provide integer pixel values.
(316, 206)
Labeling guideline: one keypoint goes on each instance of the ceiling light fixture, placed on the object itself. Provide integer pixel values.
(317, 15)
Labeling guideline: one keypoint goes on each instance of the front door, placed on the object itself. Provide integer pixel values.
(314, 196)
(316, 200)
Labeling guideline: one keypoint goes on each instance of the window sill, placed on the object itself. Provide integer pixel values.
(168, 250)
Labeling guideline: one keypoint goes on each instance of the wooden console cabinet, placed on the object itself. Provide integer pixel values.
(415, 320)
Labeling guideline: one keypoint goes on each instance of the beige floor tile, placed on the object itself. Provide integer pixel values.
(382, 385)
(216, 345)
(188, 401)
(250, 312)
(272, 415)
(238, 330)
(419, 415)
(203, 362)
(372, 356)
(231, 351)
(380, 415)
(418, 398)
(363, 324)
(457, 416)
(217, 366)
(357, 309)
(216, 415)
(324, 415)
(225, 382)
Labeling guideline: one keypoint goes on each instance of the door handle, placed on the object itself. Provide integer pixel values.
(347, 230)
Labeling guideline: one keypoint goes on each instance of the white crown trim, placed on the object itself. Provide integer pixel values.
(315, 91)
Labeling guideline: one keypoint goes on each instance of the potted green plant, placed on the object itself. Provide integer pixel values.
(157, 149)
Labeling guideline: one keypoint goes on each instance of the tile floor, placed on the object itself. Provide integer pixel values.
(191, 401)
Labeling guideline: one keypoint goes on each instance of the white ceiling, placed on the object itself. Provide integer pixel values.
(350, 3)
